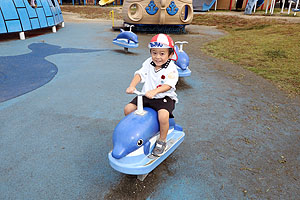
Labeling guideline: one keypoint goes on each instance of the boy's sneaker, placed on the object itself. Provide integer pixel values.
(159, 148)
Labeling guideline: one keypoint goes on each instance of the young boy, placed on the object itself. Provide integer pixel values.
(159, 75)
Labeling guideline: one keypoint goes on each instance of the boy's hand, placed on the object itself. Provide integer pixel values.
(130, 90)
(150, 94)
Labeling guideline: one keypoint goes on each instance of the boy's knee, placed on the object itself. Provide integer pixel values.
(129, 108)
(126, 110)
(163, 116)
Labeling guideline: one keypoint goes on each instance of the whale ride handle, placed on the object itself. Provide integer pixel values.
(130, 26)
(140, 110)
(181, 45)
(139, 93)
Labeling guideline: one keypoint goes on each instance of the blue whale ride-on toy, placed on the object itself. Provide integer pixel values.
(183, 60)
(134, 139)
(127, 39)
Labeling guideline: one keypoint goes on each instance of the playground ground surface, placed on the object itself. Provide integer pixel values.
(242, 132)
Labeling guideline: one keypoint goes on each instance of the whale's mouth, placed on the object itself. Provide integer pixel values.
(118, 153)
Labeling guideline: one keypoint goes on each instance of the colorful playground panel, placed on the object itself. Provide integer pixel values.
(19, 16)
(158, 12)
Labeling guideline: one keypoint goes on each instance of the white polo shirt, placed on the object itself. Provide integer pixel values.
(153, 79)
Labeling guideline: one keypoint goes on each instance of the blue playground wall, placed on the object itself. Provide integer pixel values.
(18, 15)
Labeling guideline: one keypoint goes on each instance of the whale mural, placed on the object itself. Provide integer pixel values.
(21, 74)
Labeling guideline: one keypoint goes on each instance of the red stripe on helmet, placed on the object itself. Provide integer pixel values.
(166, 40)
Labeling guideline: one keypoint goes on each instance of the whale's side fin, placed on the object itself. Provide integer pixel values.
(147, 148)
(171, 122)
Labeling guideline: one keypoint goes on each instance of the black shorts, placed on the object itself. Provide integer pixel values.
(157, 104)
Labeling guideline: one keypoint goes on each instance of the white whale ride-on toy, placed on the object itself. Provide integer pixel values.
(134, 139)
(127, 39)
(183, 60)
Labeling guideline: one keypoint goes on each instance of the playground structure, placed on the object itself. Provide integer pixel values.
(84, 2)
(230, 4)
(267, 5)
(105, 2)
(19, 16)
(101, 2)
(206, 5)
(296, 9)
(157, 12)
(270, 5)
(203, 5)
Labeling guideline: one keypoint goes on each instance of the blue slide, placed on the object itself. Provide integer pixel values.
(203, 5)
(250, 6)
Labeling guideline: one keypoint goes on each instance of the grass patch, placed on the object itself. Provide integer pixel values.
(269, 48)
(93, 12)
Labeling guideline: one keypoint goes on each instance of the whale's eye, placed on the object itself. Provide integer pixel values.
(140, 142)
